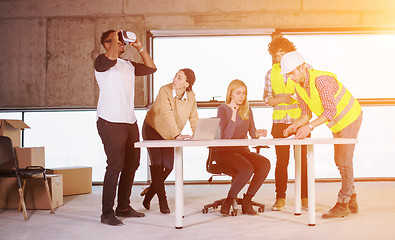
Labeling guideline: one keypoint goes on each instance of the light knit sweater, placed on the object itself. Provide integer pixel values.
(168, 115)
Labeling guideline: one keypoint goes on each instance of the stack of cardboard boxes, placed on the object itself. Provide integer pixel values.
(61, 181)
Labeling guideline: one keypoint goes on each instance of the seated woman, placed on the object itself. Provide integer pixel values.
(236, 120)
(174, 105)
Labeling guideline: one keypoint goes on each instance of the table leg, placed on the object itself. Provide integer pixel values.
(297, 210)
(179, 190)
(311, 184)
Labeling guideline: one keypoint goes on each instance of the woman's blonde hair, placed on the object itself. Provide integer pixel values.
(244, 110)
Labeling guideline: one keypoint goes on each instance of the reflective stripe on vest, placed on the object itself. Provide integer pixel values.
(281, 110)
(348, 108)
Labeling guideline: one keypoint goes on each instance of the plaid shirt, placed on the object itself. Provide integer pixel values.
(327, 88)
(268, 93)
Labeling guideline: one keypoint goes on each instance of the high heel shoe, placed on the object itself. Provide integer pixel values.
(246, 205)
(163, 206)
(148, 197)
(225, 207)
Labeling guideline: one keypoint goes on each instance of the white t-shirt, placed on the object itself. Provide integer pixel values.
(116, 99)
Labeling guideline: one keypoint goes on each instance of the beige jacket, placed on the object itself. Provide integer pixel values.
(169, 115)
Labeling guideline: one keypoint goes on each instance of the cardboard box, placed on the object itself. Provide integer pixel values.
(76, 180)
(35, 193)
(30, 156)
(12, 129)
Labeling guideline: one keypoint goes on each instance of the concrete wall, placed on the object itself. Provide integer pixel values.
(48, 46)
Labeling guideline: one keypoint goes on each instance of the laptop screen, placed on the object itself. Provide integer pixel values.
(207, 129)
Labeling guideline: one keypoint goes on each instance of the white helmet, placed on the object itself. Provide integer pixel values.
(290, 61)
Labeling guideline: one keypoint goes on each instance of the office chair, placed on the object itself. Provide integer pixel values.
(9, 169)
(220, 169)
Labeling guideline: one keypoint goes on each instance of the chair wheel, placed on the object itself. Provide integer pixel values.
(261, 210)
(205, 210)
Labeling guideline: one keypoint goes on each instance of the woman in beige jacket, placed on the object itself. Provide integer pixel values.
(173, 107)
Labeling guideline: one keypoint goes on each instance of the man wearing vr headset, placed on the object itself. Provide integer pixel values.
(117, 123)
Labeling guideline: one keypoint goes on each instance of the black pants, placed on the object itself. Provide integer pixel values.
(246, 164)
(158, 156)
(281, 172)
(122, 158)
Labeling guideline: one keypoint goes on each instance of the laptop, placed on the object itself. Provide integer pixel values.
(207, 129)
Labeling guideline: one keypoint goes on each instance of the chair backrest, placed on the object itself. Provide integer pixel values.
(218, 168)
(7, 155)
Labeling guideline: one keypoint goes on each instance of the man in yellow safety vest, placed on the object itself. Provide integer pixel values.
(321, 93)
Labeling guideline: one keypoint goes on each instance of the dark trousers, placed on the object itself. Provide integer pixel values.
(122, 158)
(281, 172)
(246, 164)
(158, 156)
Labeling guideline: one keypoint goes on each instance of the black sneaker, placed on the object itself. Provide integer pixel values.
(111, 220)
(129, 212)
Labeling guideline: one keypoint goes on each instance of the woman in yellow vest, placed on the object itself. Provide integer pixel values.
(321, 93)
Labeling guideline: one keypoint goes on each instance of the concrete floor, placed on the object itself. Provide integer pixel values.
(79, 218)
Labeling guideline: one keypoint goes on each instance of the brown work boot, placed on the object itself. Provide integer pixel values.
(339, 210)
(352, 204)
(279, 204)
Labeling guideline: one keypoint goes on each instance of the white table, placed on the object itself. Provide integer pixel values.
(310, 142)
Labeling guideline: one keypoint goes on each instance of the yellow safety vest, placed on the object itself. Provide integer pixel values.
(280, 88)
(348, 108)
